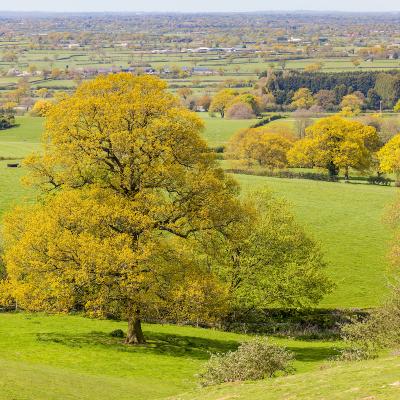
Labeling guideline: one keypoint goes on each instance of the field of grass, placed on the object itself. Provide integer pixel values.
(218, 131)
(347, 220)
(71, 357)
(367, 380)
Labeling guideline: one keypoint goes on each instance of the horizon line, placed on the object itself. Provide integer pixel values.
(200, 11)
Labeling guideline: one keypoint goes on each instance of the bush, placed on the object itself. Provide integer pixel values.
(253, 360)
(6, 121)
(240, 111)
(366, 338)
(118, 333)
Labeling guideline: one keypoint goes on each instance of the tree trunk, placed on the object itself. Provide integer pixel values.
(346, 174)
(135, 333)
(332, 169)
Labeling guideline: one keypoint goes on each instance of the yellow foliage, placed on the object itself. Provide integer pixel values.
(336, 143)
(389, 156)
(303, 99)
(267, 149)
(41, 108)
(221, 101)
(123, 171)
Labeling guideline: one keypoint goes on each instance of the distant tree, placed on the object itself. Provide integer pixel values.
(373, 99)
(221, 100)
(326, 99)
(302, 99)
(10, 56)
(184, 92)
(240, 110)
(302, 120)
(397, 107)
(204, 102)
(387, 86)
(266, 149)
(313, 67)
(351, 104)
(41, 108)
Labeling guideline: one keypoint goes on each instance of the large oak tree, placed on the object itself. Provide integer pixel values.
(124, 170)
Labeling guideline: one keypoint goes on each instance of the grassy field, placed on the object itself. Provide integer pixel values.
(347, 220)
(368, 380)
(70, 357)
(218, 131)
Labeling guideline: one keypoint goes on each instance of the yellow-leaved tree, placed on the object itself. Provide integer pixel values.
(123, 172)
(221, 101)
(336, 143)
(389, 157)
(267, 149)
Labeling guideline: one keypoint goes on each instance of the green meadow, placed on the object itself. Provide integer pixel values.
(70, 357)
(367, 380)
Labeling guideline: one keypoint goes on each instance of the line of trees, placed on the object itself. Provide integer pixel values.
(330, 88)
(335, 144)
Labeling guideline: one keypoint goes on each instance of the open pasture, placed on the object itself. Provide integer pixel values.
(70, 357)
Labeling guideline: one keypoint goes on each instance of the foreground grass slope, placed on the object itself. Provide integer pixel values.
(368, 380)
(70, 357)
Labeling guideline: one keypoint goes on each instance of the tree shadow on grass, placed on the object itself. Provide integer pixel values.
(313, 354)
(157, 343)
(173, 345)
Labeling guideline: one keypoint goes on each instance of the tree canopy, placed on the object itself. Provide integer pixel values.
(336, 143)
(123, 170)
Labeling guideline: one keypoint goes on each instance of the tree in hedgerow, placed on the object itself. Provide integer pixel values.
(335, 143)
(221, 101)
(266, 149)
(41, 108)
(397, 107)
(123, 172)
(351, 104)
(389, 157)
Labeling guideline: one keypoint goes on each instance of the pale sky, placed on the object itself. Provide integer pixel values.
(198, 5)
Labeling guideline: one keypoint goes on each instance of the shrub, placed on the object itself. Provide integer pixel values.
(118, 333)
(6, 121)
(380, 331)
(240, 111)
(253, 360)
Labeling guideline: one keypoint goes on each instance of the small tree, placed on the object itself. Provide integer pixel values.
(41, 108)
(240, 111)
(267, 149)
(302, 99)
(221, 100)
